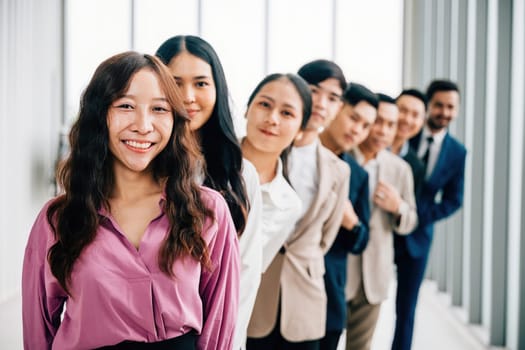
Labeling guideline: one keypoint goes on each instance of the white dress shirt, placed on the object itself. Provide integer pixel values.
(250, 247)
(304, 174)
(435, 147)
(281, 210)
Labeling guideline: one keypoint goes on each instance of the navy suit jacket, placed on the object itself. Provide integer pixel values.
(418, 170)
(441, 194)
(346, 242)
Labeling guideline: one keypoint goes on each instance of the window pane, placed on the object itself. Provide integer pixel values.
(370, 43)
(156, 21)
(239, 42)
(299, 31)
(95, 30)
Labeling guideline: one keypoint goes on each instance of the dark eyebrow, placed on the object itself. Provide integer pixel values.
(331, 93)
(356, 113)
(267, 97)
(200, 77)
(287, 105)
(163, 99)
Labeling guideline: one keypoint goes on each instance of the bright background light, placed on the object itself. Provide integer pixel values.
(252, 38)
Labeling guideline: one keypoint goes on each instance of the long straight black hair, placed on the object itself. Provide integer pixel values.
(219, 143)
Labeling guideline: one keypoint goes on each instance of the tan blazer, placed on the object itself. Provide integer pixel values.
(297, 274)
(375, 265)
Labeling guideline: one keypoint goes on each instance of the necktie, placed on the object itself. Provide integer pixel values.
(430, 139)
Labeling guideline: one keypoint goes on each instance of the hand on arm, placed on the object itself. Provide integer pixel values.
(387, 197)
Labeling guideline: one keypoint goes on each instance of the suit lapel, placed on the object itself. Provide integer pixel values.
(323, 190)
(441, 160)
(382, 173)
(414, 141)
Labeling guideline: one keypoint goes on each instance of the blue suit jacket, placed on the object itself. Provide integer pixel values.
(440, 195)
(346, 242)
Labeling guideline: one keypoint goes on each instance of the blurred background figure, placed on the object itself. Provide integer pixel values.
(443, 159)
(350, 127)
(393, 208)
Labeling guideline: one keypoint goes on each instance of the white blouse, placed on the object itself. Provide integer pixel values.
(281, 210)
(250, 247)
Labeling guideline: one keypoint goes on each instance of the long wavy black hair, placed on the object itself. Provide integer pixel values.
(219, 144)
(88, 180)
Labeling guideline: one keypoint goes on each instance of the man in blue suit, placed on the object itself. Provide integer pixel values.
(440, 196)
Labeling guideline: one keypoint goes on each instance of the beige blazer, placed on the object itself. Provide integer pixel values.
(297, 274)
(375, 266)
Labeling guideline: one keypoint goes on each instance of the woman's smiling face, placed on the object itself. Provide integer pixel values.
(140, 123)
(194, 77)
(274, 117)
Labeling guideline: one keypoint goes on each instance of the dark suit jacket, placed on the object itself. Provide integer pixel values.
(418, 172)
(440, 195)
(346, 242)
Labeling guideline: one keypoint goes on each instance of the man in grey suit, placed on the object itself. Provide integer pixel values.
(393, 208)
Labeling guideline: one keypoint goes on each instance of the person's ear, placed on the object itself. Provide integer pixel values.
(299, 135)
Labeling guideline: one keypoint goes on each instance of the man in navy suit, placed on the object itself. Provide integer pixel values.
(440, 196)
(349, 128)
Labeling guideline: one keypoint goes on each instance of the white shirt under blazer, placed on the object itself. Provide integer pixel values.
(375, 266)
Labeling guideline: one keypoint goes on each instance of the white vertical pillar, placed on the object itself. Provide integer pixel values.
(517, 112)
(469, 105)
(489, 145)
(499, 119)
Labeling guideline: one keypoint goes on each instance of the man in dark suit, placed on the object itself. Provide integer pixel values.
(440, 196)
(349, 128)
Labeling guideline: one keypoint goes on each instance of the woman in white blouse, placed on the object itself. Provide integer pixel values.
(278, 110)
(199, 74)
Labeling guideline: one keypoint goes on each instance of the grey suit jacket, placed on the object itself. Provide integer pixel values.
(296, 275)
(375, 266)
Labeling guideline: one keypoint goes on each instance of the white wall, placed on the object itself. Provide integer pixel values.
(30, 110)
(30, 115)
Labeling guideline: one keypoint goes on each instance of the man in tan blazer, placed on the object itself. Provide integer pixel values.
(290, 309)
(393, 208)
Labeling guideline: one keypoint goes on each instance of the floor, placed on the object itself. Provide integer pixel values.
(437, 325)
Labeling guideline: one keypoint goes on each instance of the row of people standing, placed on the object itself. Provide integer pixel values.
(289, 196)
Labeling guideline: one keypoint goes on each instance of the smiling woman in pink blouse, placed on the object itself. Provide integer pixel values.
(134, 254)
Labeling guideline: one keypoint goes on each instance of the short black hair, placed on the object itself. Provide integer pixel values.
(317, 71)
(414, 93)
(441, 85)
(356, 93)
(386, 98)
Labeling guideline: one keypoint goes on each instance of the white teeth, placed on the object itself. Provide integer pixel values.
(141, 145)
